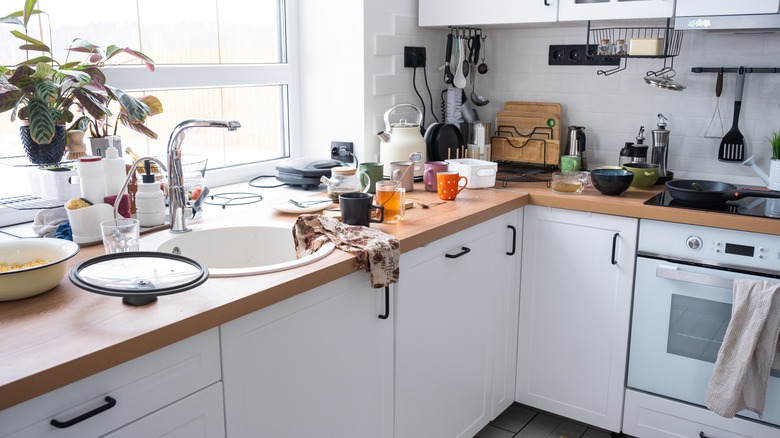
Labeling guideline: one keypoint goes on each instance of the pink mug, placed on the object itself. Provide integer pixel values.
(429, 175)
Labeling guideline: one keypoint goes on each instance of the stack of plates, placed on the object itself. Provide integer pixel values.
(443, 141)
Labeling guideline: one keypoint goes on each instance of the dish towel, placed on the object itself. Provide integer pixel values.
(750, 348)
(48, 219)
(376, 252)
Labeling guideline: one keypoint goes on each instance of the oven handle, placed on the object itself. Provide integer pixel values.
(673, 273)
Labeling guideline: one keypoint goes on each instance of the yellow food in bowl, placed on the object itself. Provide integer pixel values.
(36, 265)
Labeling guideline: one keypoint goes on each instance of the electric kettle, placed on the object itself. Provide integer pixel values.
(575, 144)
(400, 140)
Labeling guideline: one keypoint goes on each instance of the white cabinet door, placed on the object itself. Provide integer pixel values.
(455, 314)
(197, 416)
(474, 13)
(575, 305)
(317, 364)
(571, 10)
(687, 8)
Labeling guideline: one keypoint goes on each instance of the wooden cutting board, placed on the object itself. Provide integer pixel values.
(523, 150)
(528, 132)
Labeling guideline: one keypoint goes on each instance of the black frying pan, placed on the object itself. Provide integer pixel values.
(701, 192)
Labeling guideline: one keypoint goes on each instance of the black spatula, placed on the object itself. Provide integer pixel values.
(732, 146)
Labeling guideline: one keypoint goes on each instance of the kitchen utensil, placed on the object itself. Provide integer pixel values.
(645, 174)
(400, 140)
(307, 204)
(482, 67)
(459, 80)
(393, 198)
(478, 99)
(664, 81)
(712, 193)
(448, 76)
(447, 184)
(732, 147)
(718, 91)
(356, 209)
(300, 205)
(430, 204)
(611, 182)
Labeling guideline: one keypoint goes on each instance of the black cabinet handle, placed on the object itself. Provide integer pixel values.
(110, 403)
(463, 251)
(546, 3)
(702, 435)
(387, 304)
(514, 240)
(614, 246)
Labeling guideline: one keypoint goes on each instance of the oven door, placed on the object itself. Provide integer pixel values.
(680, 315)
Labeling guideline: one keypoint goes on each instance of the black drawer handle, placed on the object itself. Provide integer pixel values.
(614, 246)
(463, 251)
(514, 240)
(702, 435)
(546, 3)
(110, 403)
(387, 304)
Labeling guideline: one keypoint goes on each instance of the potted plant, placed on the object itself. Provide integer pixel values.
(774, 163)
(42, 92)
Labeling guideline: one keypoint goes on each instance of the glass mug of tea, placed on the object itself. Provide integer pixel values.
(392, 197)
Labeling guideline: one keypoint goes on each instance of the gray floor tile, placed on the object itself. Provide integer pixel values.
(493, 432)
(549, 426)
(514, 418)
(596, 433)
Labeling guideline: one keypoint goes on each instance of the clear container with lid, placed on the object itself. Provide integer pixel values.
(345, 180)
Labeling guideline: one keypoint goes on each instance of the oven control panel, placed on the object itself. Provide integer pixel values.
(740, 249)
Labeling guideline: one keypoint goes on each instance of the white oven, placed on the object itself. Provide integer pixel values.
(682, 306)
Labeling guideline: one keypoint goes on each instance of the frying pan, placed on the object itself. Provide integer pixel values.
(703, 193)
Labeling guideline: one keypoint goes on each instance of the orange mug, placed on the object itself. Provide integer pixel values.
(447, 184)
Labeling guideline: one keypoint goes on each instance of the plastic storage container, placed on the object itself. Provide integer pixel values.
(480, 173)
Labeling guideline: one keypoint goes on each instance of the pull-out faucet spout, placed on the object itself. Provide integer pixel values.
(177, 197)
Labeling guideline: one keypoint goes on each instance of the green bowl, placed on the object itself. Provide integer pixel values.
(645, 174)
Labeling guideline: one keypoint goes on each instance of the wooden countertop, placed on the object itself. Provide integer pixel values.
(68, 334)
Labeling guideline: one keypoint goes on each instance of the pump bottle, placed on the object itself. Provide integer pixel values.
(114, 170)
(149, 200)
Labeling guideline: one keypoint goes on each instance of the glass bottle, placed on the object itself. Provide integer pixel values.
(604, 48)
(620, 48)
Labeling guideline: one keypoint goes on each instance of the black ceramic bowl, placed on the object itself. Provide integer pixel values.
(611, 181)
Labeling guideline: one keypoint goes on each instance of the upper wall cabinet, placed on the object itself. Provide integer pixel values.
(486, 12)
(572, 10)
(691, 8)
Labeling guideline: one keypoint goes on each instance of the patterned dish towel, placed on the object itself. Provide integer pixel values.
(750, 348)
(376, 252)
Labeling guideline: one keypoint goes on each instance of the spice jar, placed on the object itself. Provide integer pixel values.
(604, 48)
(344, 180)
(620, 48)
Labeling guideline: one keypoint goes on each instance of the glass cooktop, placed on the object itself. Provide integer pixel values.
(758, 207)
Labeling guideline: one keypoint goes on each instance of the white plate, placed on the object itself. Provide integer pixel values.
(285, 206)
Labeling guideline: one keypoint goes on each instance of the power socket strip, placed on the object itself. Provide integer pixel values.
(576, 54)
(341, 151)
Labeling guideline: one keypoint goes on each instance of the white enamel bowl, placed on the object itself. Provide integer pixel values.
(28, 282)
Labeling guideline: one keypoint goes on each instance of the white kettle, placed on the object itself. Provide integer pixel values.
(400, 140)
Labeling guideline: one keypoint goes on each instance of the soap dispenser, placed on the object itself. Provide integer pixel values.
(114, 168)
(149, 200)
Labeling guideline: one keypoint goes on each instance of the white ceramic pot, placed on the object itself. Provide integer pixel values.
(774, 174)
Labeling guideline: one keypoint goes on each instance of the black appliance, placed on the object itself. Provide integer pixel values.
(305, 172)
(757, 207)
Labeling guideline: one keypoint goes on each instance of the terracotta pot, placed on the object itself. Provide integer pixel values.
(50, 153)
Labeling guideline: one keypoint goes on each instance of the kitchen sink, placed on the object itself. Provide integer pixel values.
(237, 250)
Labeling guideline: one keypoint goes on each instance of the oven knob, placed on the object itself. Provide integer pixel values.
(694, 243)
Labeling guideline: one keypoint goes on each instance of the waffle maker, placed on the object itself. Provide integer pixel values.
(305, 172)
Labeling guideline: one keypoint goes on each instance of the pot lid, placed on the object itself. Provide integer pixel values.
(138, 277)
(664, 82)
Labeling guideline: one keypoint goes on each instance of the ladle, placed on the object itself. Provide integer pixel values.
(478, 100)
(482, 68)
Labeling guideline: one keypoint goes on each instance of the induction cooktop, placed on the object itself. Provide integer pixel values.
(757, 207)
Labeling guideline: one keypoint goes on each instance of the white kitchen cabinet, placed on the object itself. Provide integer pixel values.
(138, 387)
(199, 415)
(575, 306)
(456, 322)
(688, 8)
(317, 364)
(486, 12)
(573, 10)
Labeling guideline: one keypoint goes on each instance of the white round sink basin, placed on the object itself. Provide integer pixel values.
(233, 251)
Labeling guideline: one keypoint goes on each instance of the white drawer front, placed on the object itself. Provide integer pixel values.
(140, 386)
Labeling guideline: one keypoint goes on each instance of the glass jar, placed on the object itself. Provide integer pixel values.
(620, 48)
(605, 49)
(343, 180)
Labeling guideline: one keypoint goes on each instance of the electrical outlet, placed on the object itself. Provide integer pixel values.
(414, 57)
(576, 54)
(341, 150)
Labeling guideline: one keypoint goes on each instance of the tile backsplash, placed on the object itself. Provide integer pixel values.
(612, 108)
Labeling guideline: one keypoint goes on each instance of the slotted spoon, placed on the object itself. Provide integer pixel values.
(732, 146)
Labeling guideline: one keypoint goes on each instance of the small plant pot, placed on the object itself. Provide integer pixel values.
(774, 174)
(50, 153)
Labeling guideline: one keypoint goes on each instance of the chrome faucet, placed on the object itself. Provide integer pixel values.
(177, 198)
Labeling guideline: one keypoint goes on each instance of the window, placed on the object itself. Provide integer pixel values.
(215, 59)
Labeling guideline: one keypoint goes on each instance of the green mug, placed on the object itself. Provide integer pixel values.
(570, 163)
(374, 172)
